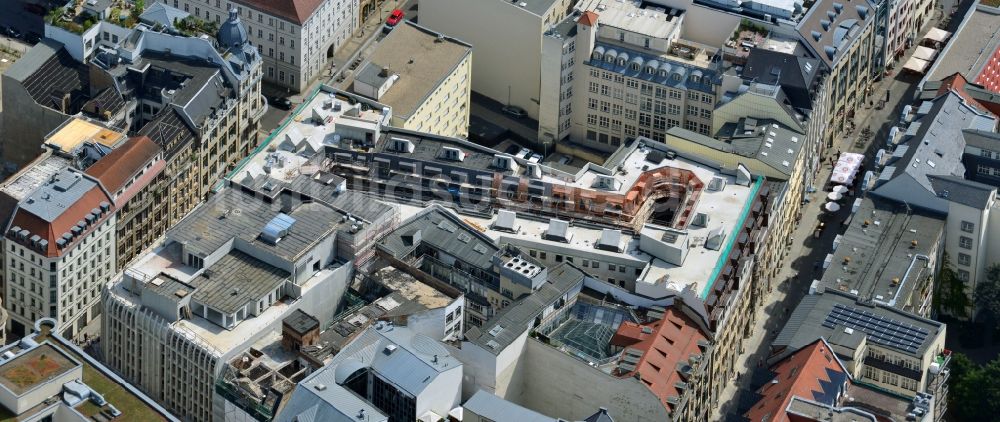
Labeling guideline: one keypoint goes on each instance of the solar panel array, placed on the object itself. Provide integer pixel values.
(882, 330)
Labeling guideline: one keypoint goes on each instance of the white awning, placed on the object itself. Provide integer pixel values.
(916, 65)
(937, 34)
(925, 53)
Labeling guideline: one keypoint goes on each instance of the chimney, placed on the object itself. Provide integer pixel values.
(385, 72)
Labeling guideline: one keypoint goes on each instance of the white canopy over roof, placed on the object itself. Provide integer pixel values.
(925, 53)
(937, 34)
(916, 65)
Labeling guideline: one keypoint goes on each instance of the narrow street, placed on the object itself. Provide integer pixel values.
(800, 269)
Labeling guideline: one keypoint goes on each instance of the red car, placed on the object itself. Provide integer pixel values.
(394, 18)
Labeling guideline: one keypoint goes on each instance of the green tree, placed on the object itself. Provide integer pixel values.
(974, 391)
(951, 291)
(988, 292)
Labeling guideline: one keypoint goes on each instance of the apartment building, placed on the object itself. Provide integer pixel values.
(973, 50)
(636, 77)
(226, 277)
(76, 387)
(424, 76)
(507, 66)
(295, 38)
(844, 38)
(60, 246)
(197, 98)
(813, 384)
(132, 174)
(879, 345)
(981, 157)
(906, 18)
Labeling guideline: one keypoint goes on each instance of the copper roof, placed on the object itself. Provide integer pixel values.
(118, 167)
(588, 18)
(812, 373)
(296, 11)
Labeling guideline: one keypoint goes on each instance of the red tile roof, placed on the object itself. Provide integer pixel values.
(957, 83)
(667, 344)
(296, 11)
(798, 375)
(63, 223)
(588, 18)
(117, 168)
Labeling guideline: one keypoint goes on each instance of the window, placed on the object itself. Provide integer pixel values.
(965, 242)
(963, 275)
(559, 258)
(591, 119)
(611, 267)
(533, 253)
(594, 87)
(675, 94)
(541, 255)
(585, 263)
(964, 259)
(693, 95)
(692, 110)
(968, 226)
(673, 109)
(592, 103)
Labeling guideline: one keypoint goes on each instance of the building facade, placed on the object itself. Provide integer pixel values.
(60, 244)
(295, 38)
(132, 175)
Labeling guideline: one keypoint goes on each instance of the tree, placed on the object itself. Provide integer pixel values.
(974, 391)
(988, 292)
(951, 291)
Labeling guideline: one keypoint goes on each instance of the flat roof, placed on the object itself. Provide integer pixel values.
(421, 59)
(411, 288)
(877, 257)
(655, 21)
(34, 175)
(76, 131)
(235, 280)
(34, 367)
(970, 48)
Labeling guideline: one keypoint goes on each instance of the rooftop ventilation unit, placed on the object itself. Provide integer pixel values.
(277, 228)
(604, 182)
(506, 221)
(558, 231)
(611, 240)
(717, 184)
(714, 239)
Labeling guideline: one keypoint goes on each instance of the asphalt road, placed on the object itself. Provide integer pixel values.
(14, 15)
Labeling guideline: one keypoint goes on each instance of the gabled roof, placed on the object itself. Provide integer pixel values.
(295, 11)
(117, 168)
(48, 72)
(670, 347)
(812, 373)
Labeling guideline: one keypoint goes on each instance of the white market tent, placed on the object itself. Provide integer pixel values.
(846, 168)
(937, 35)
(916, 65)
(924, 53)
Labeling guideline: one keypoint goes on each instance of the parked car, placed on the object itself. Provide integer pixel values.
(280, 102)
(514, 110)
(13, 32)
(394, 18)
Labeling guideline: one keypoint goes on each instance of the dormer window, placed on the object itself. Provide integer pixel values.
(634, 66)
(696, 79)
(402, 145)
(453, 154)
(621, 62)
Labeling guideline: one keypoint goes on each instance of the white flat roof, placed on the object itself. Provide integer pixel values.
(724, 208)
(630, 16)
(302, 130)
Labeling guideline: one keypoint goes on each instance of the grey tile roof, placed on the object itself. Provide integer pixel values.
(332, 403)
(518, 317)
(232, 213)
(794, 74)
(162, 14)
(982, 139)
(934, 145)
(47, 72)
(877, 248)
(235, 280)
(836, 34)
(678, 75)
(806, 324)
(966, 192)
(490, 406)
(445, 232)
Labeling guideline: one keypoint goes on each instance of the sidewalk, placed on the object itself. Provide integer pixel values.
(800, 269)
(359, 44)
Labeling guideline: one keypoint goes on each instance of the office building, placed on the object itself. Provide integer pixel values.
(813, 384)
(132, 175)
(424, 76)
(879, 345)
(507, 38)
(973, 51)
(888, 254)
(386, 373)
(295, 38)
(844, 38)
(60, 246)
(46, 377)
(227, 276)
(981, 157)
